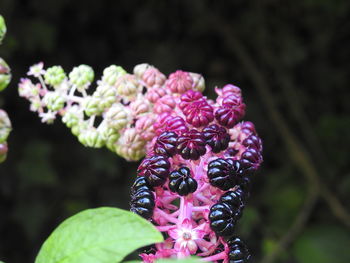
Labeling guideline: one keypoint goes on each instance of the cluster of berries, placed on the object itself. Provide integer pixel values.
(194, 182)
(118, 114)
(5, 78)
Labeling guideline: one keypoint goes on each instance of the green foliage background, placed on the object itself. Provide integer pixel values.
(292, 61)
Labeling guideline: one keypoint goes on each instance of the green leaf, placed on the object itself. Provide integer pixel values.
(98, 235)
(323, 244)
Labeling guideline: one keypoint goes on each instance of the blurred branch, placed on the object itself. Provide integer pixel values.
(294, 147)
(297, 226)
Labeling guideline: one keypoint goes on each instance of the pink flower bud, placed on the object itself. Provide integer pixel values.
(179, 82)
(152, 76)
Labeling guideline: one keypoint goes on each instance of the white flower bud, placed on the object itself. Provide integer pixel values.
(140, 69)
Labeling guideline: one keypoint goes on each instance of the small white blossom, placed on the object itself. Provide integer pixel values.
(36, 70)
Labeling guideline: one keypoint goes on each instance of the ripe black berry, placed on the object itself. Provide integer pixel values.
(238, 252)
(253, 141)
(224, 173)
(140, 183)
(251, 160)
(142, 203)
(155, 169)
(216, 137)
(222, 219)
(166, 144)
(181, 182)
(191, 145)
(235, 200)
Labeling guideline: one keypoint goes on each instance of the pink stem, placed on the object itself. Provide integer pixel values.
(200, 208)
(216, 257)
(167, 216)
(164, 228)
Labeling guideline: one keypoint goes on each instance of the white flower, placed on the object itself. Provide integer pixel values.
(36, 70)
(48, 117)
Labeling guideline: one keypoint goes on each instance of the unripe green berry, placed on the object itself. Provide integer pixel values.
(81, 76)
(112, 73)
(5, 75)
(91, 138)
(53, 101)
(92, 106)
(117, 117)
(110, 136)
(72, 116)
(106, 95)
(54, 75)
(5, 126)
(2, 28)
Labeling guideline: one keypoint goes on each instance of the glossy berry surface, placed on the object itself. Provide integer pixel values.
(181, 182)
(188, 98)
(155, 169)
(142, 203)
(222, 219)
(235, 200)
(254, 142)
(191, 145)
(199, 114)
(166, 144)
(251, 160)
(176, 124)
(216, 137)
(231, 111)
(238, 252)
(224, 173)
(140, 184)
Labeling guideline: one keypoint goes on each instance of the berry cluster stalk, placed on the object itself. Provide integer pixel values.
(194, 182)
(119, 114)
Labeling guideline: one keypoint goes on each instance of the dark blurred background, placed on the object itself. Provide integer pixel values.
(292, 61)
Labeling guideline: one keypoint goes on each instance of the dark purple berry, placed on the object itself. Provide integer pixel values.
(181, 182)
(248, 127)
(232, 151)
(251, 160)
(235, 200)
(216, 137)
(253, 141)
(142, 203)
(166, 144)
(224, 173)
(188, 98)
(231, 111)
(155, 169)
(191, 145)
(140, 184)
(176, 124)
(238, 252)
(222, 219)
(196, 109)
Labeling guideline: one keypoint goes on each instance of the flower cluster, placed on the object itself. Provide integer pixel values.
(5, 78)
(194, 182)
(119, 114)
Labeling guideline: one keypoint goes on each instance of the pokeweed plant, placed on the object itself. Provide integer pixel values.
(200, 156)
(5, 78)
